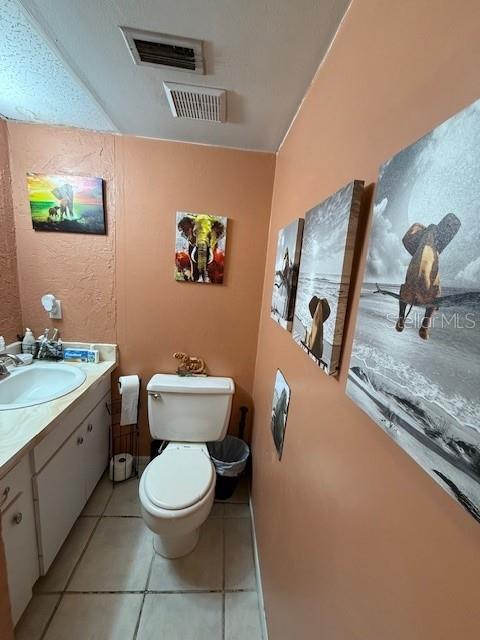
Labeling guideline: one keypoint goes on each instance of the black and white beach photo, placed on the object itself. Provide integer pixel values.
(415, 364)
(324, 275)
(286, 273)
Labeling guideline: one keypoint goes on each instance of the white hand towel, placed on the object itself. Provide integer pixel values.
(129, 387)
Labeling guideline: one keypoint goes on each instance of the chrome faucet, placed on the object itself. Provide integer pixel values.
(11, 356)
(15, 360)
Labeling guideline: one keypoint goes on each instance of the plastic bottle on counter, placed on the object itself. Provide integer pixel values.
(3, 346)
(29, 344)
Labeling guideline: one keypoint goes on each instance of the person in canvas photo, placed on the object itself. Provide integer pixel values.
(320, 312)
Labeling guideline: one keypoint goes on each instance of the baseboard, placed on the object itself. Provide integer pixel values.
(261, 604)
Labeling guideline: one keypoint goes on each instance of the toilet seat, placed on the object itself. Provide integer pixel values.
(178, 478)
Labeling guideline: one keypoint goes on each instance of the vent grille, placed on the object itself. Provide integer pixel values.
(196, 103)
(162, 50)
(167, 55)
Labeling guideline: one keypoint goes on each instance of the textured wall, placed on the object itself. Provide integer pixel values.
(356, 541)
(156, 314)
(147, 181)
(10, 312)
(78, 269)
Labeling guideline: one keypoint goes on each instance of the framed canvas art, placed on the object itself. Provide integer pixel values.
(286, 273)
(280, 404)
(200, 247)
(415, 362)
(324, 275)
(70, 204)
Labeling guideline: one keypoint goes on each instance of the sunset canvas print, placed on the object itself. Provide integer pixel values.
(70, 204)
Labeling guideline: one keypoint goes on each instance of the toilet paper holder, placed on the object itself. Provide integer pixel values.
(124, 441)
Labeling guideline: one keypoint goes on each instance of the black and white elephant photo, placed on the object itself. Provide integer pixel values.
(324, 275)
(415, 363)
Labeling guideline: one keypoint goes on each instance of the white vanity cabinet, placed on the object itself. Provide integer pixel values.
(19, 535)
(65, 482)
(44, 493)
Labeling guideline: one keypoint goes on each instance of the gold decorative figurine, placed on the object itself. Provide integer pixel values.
(190, 365)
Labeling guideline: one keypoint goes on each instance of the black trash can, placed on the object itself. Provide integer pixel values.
(230, 457)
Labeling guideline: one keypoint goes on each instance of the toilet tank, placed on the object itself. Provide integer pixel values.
(189, 409)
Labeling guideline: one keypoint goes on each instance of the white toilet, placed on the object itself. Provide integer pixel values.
(177, 488)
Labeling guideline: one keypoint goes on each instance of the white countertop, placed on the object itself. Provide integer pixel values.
(23, 429)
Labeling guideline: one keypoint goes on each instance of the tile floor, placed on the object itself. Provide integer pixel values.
(108, 584)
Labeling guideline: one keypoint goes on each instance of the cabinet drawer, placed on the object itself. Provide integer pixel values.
(51, 443)
(15, 482)
(21, 554)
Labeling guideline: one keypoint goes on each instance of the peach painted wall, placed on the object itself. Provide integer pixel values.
(79, 269)
(120, 287)
(10, 311)
(156, 315)
(355, 540)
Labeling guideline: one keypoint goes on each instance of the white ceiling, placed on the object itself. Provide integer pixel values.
(65, 62)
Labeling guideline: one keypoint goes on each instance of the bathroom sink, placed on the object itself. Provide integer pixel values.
(37, 383)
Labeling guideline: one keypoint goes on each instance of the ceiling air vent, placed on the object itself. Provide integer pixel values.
(161, 50)
(197, 103)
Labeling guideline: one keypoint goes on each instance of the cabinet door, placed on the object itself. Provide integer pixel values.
(69, 423)
(97, 435)
(60, 490)
(19, 537)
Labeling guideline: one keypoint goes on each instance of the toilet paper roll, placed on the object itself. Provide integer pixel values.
(121, 467)
(129, 387)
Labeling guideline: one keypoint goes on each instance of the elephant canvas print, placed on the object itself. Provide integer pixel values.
(286, 273)
(324, 275)
(70, 204)
(415, 362)
(280, 404)
(200, 248)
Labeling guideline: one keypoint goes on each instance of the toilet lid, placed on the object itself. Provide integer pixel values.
(178, 478)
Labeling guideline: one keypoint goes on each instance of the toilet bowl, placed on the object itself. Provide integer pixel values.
(177, 491)
(177, 488)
